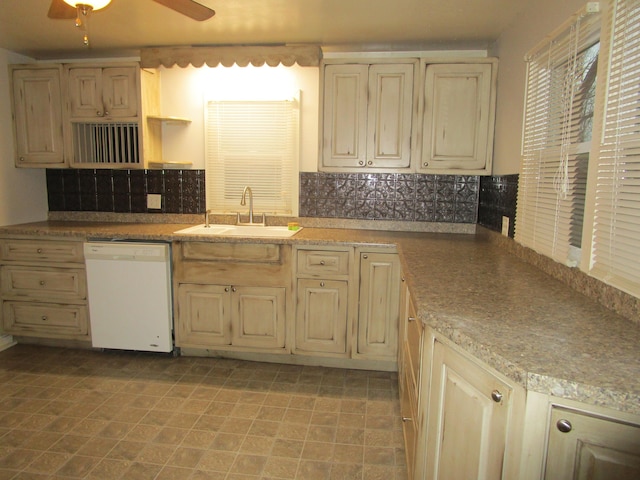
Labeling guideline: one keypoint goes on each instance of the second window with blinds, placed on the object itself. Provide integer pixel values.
(252, 143)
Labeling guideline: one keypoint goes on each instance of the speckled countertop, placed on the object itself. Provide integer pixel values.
(517, 319)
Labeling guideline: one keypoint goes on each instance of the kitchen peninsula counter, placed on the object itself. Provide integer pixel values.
(509, 314)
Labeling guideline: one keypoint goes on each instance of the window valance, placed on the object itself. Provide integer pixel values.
(303, 55)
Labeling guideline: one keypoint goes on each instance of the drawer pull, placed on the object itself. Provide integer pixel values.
(322, 262)
(407, 419)
(322, 284)
(39, 250)
(564, 425)
(44, 318)
(42, 283)
(496, 396)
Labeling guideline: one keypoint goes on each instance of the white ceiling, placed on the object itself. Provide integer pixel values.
(127, 25)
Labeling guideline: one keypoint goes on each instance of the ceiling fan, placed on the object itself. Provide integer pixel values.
(69, 9)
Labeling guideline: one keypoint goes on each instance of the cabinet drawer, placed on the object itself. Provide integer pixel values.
(41, 251)
(33, 282)
(22, 318)
(323, 262)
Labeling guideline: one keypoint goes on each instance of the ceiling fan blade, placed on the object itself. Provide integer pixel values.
(58, 10)
(189, 8)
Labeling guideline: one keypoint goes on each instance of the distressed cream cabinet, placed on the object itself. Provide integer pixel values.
(379, 305)
(232, 296)
(103, 92)
(472, 409)
(367, 115)
(38, 115)
(323, 309)
(43, 288)
(458, 119)
(573, 440)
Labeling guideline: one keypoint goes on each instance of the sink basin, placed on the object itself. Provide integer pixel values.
(240, 231)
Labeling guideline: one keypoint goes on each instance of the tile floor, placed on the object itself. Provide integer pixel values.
(78, 414)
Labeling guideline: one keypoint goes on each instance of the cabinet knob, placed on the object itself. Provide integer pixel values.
(106, 113)
(99, 113)
(233, 289)
(407, 419)
(44, 318)
(496, 396)
(322, 284)
(411, 319)
(425, 164)
(42, 283)
(360, 162)
(365, 256)
(21, 159)
(39, 250)
(322, 262)
(564, 425)
(369, 162)
(226, 289)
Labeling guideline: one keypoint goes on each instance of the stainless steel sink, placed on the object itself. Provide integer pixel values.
(240, 231)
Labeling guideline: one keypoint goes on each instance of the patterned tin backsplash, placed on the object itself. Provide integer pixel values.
(390, 196)
(498, 195)
(405, 197)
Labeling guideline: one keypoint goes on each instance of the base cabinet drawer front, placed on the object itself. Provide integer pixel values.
(20, 250)
(259, 317)
(42, 283)
(322, 316)
(204, 312)
(232, 252)
(42, 319)
(323, 263)
(468, 411)
(585, 446)
(408, 410)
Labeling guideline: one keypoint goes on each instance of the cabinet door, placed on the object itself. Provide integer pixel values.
(85, 92)
(389, 116)
(204, 317)
(258, 318)
(345, 116)
(379, 304)
(37, 107)
(587, 447)
(468, 411)
(321, 316)
(457, 113)
(119, 92)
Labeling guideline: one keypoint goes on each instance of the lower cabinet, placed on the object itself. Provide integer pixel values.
(322, 316)
(43, 289)
(232, 296)
(469, 417)
(587, 446)
(218, 315)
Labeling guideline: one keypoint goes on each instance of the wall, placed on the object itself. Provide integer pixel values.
(23, 195)
(184, 92)
(539, 19)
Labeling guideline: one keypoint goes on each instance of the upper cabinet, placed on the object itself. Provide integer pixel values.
(103, 92)
(367, 116)
(459, 111)
(37, 116)
(86, 115)
(408, 115)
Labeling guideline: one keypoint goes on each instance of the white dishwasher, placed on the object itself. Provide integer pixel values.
(129, 285)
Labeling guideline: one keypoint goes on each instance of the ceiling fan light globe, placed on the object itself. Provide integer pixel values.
(94, 4)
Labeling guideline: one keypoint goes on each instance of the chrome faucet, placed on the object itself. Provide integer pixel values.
(243, 202)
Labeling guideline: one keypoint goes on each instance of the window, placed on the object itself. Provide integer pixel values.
(559, 109)
(615, 180)
(252, 143)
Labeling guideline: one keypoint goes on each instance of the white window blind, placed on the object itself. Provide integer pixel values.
(556, 134)
(256, 144)
(615, 252)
